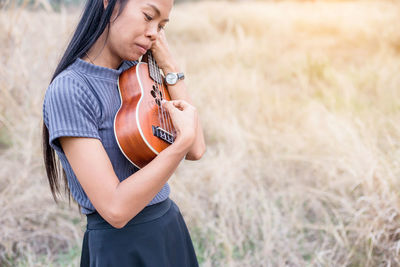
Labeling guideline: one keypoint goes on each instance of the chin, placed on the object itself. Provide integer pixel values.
(132, 57)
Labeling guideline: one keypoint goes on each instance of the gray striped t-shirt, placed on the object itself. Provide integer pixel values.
(82, 101)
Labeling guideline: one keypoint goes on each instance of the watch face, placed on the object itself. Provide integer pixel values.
(171, 78)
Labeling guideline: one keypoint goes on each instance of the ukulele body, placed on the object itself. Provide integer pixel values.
(141, 126)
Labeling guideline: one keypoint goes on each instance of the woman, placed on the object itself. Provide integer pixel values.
(131, 221)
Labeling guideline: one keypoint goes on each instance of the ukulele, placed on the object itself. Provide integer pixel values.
(142, 127)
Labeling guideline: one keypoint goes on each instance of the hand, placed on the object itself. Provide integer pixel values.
(184, 119)
(162, 54)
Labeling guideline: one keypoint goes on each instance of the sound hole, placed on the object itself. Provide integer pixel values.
(153, 93)
(158, 102)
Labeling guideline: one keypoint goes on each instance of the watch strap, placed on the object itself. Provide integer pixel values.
(181, 76)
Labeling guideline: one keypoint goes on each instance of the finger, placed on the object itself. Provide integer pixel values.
(161, 34)
(181, 104)
(167, 105)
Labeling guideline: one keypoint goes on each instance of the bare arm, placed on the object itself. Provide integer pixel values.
(118, 202)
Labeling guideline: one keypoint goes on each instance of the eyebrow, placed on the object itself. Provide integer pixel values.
(157, 11)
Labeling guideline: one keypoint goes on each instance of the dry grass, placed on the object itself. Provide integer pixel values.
(300, 103)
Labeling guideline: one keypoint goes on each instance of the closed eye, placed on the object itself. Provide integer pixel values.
(148, 18)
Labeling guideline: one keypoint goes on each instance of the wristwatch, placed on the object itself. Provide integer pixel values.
(173, 77)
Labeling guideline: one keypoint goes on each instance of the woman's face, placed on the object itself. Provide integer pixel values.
(137, 27)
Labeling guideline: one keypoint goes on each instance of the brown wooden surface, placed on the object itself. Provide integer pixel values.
(126, 125)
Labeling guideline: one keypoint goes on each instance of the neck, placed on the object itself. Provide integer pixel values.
(101, 55)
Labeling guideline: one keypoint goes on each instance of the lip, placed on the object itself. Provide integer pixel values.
(143, 49)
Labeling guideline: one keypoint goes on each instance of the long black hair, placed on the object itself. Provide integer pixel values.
(94, 21)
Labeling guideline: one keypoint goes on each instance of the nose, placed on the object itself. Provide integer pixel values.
(151, 32)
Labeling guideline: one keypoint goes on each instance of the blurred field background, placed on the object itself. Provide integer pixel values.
(300, 104)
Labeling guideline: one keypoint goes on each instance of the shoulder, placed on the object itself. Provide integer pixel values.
(69, 92)
(69, 85)
(67, 82)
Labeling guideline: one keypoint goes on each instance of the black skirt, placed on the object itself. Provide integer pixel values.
(157, 236)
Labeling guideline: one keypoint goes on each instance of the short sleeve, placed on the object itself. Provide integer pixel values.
(69, 109)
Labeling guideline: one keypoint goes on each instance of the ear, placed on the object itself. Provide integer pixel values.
(105, 3)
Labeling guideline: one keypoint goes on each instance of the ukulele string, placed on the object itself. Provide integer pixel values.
(161, 94)
(169, 121)
(166, 113)
(151, 68)
(159, 106)
(171, 128)
(165, 117)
